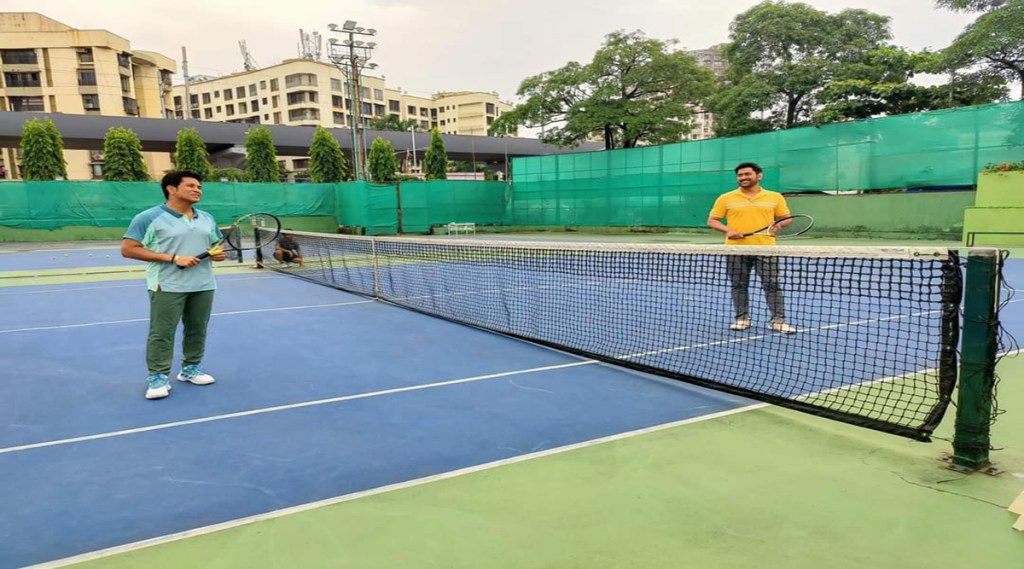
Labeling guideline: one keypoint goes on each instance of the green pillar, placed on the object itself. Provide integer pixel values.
(977, 360)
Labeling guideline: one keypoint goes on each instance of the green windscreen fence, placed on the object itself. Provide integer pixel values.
(675, 184)
(51, 205)
(374, 208)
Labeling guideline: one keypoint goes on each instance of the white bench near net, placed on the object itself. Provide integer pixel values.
(461, 228)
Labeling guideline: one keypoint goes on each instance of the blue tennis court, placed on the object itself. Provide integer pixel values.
(319, 394)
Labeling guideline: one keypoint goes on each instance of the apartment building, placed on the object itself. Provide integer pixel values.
(51, 67)
(307, 92)
(713, 60)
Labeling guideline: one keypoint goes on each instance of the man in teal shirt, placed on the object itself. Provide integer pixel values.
(180, 286)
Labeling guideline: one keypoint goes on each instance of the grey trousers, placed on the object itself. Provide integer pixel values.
(738, 267)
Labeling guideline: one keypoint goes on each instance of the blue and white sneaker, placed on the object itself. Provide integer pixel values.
(194, 374)
(158, 386)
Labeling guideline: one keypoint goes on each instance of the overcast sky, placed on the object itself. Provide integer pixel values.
(427, 46)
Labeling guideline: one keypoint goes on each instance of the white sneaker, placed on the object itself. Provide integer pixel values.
(157, 386)
(195, 374)
(740, 324)
(782, 327)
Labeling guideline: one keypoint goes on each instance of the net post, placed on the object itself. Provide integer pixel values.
(971, 440)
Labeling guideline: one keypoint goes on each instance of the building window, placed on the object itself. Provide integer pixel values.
(264, 101)
(378, 110)
(277, 118)
(424, 112)
(276, 99)
(218, 108)
(300, 163)
(124, 60)
(304, 115)
(302, 97)
(425, 124)
(194, 100)
(131, 107)
(91, 102)
(490, 121)
(266, 117)
(252, 90)
(208, 113)
(364, 92)
(411, 110)
(339, 118)
(97, 171)
(227, 95)
(490, 108)
(195, 113)
(337, 102)
(216, 94)
(206, 99)
(255, 106)
(366, 108)
(26, 79)
(263, 85)
(336, 85)
(177, 101)
(243, 108)
(84, 54)
(240, 92)
(126, 84)
(32, 104)
(230, 110)
(19, 56)
(273, 84)
(300, 79)
(394, 106)
(433, 114)
(378, 94)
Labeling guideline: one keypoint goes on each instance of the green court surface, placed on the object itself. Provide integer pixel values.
(764, 487)
(760, 487)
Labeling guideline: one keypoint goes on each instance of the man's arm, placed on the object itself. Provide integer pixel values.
(132, 249)
(716, 224)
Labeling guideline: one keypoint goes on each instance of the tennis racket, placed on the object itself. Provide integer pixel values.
(249, 232)
(799, 225)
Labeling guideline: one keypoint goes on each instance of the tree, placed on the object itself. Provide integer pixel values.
(435, 161)
(635, 90)
(42, 151)
(781, 56)
(970, 5)
(260, 155)
(392, 122)
(880, 84)
(190, 153)
(993, 43)
(383, 162)
(122, 156)
(326, 161)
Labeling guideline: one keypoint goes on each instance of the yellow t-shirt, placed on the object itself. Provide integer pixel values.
(747, 215)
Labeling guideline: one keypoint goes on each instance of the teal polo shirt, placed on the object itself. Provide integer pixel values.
(163, 230)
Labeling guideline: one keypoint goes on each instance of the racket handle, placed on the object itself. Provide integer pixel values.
(200, 256)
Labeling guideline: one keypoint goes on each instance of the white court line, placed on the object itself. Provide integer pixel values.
(146, 319)
(265, 410)
(137, 284)
(384, 489)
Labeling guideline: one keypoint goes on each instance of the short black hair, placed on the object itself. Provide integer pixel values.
(174, 179)
(752, 165)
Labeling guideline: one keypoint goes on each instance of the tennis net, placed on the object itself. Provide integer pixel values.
(876, 329)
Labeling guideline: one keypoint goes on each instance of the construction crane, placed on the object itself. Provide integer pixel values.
(247, 60)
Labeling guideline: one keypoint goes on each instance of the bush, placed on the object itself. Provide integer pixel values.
(1004, 167)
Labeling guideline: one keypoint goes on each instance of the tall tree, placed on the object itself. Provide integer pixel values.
(42, 151)
(383, 162)
(635, 90)
(970, 5)
(880, 84)
(122, 156)
(261, 156)
(326, 161)
(781, 56)
(392, 122)
(993, 43)
(190, 153)
(435, 161)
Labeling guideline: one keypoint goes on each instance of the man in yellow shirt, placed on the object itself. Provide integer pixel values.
(747, 209)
